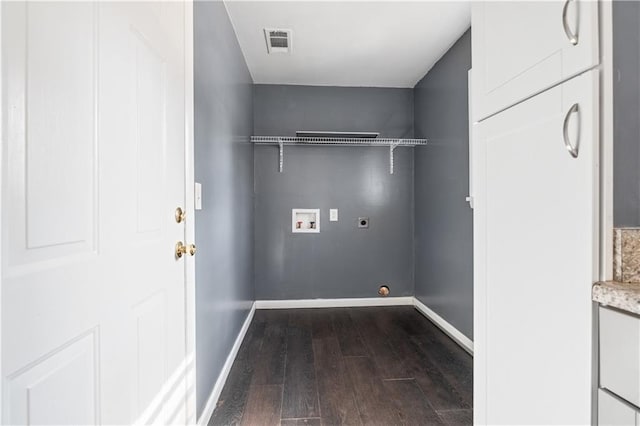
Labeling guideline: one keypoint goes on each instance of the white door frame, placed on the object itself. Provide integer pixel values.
(190, 289)
(2, 149)
(606, 139)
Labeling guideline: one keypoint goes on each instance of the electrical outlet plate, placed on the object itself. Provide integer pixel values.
(333, 215)
(198, 196)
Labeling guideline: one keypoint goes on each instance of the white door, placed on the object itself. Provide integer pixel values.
(93, 298)
(521, 48)
(536, 240)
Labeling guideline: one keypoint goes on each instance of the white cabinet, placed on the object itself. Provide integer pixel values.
(620, 354)
(615, 412)
(522, 48)
(535, 249)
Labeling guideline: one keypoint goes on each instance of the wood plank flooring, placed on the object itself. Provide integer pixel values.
(347, 366)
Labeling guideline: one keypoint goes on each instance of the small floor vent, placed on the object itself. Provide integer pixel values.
(278, 40)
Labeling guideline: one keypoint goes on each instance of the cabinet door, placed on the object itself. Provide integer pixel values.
(614, 412)
(620, 354)
(535, 252)
(522, 48)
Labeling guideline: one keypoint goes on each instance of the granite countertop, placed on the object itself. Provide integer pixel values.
(625, 296)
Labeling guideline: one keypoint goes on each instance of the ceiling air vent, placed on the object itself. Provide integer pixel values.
(278, 41)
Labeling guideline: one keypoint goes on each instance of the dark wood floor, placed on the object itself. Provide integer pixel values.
(369, 366)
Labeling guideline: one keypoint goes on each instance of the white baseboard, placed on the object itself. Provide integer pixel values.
(222, 378)
(334, 303)
(451, 331)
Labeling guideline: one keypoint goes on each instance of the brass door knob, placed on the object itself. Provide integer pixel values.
(182, 249)
(181, 215)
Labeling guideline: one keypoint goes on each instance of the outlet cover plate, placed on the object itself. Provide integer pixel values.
(198, 196)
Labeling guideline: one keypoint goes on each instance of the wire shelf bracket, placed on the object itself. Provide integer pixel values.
(281, 141)
(392, 147)
(281, 155)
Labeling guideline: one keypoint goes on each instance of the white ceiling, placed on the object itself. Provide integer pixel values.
(348, 43)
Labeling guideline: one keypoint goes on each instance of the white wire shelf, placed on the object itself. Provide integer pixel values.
(305, 140)
(281, 141)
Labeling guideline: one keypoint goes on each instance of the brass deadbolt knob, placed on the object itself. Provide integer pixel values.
(181, 215)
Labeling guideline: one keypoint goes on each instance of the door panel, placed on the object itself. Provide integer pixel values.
(65, 87)
(151, 348)
(93, 297)
(35, 252)
(34, 392)
(613, 412)
(537, 211)
(619, 351)
(521, 48)
(150, 88)
(41, 84)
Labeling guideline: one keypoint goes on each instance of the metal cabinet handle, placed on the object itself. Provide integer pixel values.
(573, 150)
(573, 37)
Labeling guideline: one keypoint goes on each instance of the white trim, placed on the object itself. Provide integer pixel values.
(226, 368)
(469, 199)
(451, 331)
(606, 140)
(334, 303)
(3, 246)
(189, 157)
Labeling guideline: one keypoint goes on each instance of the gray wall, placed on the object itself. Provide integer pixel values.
(443, 228)
(224, 166)
(626, 112)
(280, 110)
(342, 260)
